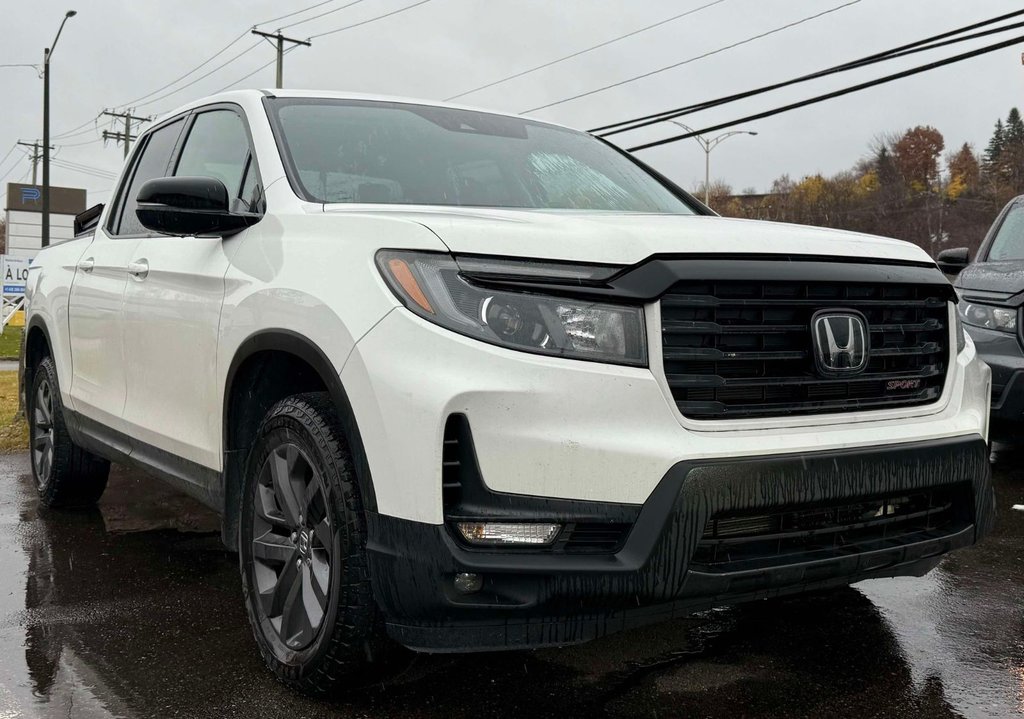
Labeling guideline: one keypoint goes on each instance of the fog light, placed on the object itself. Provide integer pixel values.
(468, 583)
(509, 533)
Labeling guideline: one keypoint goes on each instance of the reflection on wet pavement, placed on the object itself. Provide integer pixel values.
(134, 610)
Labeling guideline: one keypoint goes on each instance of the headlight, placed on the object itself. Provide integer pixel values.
(1003, 319)
(430, 284)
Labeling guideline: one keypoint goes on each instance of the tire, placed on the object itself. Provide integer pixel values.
(66, 475)
(297, 536)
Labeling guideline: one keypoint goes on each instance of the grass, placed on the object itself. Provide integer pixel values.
(10, 343)
(13, 430)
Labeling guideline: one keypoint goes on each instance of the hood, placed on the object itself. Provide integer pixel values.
(997, 278)
(625, 239)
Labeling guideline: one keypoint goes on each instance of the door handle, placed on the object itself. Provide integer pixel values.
(138, 269)
(87, 264)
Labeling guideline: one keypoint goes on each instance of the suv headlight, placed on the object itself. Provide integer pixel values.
(1003, 319)
(431, 285)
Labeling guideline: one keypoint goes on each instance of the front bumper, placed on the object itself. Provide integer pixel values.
(536, 599)
(1004, 354)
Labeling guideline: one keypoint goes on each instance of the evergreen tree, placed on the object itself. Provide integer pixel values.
(995, 146)
(1014, 132)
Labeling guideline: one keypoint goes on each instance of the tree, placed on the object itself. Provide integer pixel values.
(995, 147)
(1014, 133)
(917, 154)
(964, 172)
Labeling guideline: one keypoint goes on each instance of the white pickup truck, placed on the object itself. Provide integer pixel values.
(459, 380)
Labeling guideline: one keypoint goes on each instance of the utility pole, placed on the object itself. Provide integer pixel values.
(281, 40)
(126, 136)
(35, 156)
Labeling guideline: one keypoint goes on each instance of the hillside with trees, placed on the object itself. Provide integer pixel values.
(909, 186)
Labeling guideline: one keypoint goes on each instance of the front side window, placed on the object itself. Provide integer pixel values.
(152, 163)
(217, 146)
(1009, 240)
(384, 152)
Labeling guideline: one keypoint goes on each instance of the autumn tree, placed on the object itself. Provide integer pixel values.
(917, 154)
(964, 172)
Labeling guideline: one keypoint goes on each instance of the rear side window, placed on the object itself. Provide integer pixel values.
(152, 163)
(217, 147)
(1009, 241)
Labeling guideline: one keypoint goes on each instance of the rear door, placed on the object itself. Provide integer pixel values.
(96, 326)
(173, 303)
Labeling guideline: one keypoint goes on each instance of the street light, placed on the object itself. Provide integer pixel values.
(710, 144)
(47, 53)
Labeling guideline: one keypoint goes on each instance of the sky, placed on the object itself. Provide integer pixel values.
(115, 51)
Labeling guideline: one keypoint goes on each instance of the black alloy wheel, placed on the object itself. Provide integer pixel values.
(42, 431)
(66, 475)
(292, 546)
(302, 552)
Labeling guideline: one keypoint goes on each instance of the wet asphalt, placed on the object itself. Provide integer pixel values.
(134, 610)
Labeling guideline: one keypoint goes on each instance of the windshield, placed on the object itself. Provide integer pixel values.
(385, 152)
(1009, 241)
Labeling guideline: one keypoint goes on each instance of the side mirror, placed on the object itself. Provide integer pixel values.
(954, 260)
(190, 206)
(87, 220)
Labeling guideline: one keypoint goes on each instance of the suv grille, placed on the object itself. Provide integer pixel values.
(744, 349)
(751, 540)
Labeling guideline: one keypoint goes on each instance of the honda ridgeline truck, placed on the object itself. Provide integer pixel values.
(465, 381)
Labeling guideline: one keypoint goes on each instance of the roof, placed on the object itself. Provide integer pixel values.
(236, 95)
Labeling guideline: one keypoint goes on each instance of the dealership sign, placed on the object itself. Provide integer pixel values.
(15, 274)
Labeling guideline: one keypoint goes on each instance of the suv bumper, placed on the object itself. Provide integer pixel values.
(532, 599)
(1004, 354)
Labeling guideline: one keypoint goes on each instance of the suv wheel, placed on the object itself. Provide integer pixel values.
(302, 550)
(66, 475)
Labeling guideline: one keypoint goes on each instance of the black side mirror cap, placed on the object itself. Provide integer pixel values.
(190, 206)
(953, 260)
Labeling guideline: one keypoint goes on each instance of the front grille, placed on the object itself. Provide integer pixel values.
(735, 349)
(764, 539)
(593, 537)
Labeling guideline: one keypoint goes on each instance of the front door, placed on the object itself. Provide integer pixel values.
(95, 306)
(172, 309)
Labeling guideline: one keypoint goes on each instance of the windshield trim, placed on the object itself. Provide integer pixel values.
(272, 104)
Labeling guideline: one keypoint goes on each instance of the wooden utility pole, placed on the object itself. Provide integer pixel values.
(35, 156)
(126, 136)
(281, 40)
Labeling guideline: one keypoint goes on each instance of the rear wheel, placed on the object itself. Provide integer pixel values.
(303, 551)
(66, 475)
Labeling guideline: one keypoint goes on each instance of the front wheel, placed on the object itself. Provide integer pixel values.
(302, 550)
(66, 475)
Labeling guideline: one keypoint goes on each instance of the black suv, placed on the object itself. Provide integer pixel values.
(991, 291)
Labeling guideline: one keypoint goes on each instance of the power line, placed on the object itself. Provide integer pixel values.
(261, 67)
(201, 77)
(74, 130)
(320, 15)
(584, 51)
(837, 93)
(929, 43)
(376, 18)
(293, 13)
(641, 76)
(205, 62)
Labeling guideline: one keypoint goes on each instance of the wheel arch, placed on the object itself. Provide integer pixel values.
(36, 345)
(242, 403)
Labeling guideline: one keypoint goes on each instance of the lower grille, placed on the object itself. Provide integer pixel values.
(735, 349)
(745, 541)
(595, 537)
